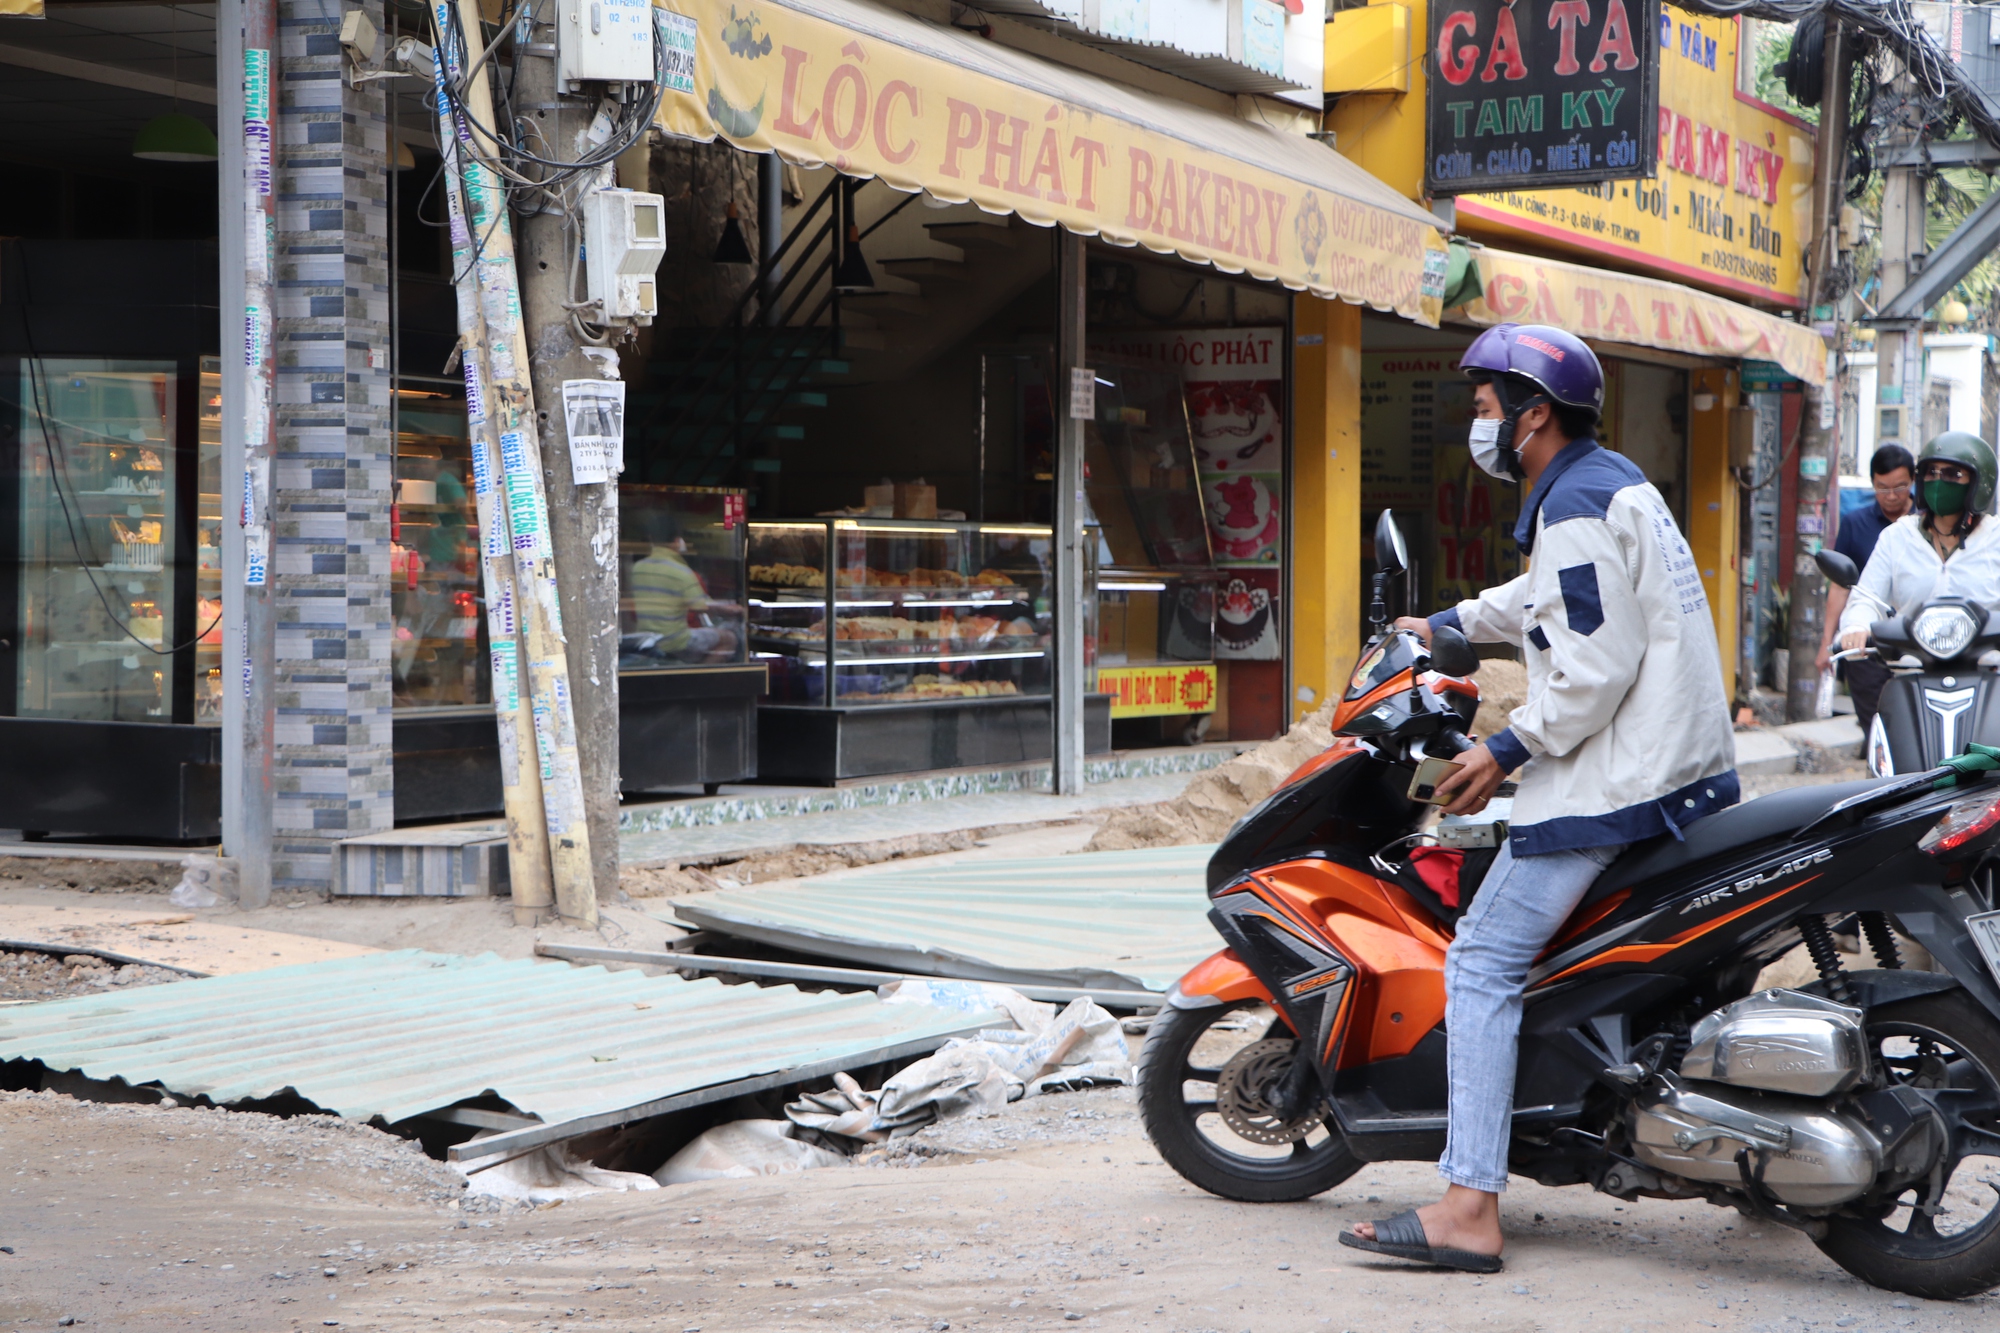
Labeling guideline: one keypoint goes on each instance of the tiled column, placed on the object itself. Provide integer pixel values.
(333, 480)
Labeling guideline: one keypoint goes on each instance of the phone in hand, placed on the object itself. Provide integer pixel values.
(1430, 772)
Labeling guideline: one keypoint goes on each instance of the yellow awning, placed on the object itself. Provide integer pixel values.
(1645, 312)
(876, 92)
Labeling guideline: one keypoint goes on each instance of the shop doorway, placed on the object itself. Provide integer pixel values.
(110, 485)
(1459, 521)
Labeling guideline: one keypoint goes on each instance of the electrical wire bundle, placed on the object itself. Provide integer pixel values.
(535, 177)
(1943, 97)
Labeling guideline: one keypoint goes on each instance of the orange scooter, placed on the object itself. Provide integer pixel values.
(1862, 1109)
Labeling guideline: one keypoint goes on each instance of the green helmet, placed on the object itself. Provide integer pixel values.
(1963, 447)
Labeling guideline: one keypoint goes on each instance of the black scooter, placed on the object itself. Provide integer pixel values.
(1945, 693)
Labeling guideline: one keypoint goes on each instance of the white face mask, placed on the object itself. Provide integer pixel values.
(1484, 440)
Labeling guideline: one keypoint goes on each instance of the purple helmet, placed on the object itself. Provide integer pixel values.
(1558, 362)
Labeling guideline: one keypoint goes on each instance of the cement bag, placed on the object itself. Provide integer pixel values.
(548, 1174)
(971, 997)
(1083, 1045)
(962, 1078)
(742, 1149)
(841, 1117)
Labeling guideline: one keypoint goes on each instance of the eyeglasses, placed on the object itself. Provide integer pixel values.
(1937, 470)
(1900, 488)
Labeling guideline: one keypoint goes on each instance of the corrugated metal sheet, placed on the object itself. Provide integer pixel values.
(394, 1035)
(1209, 68)
(1109, 919)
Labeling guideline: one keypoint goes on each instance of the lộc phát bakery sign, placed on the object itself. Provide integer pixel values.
(1730, 206)
(877, 93)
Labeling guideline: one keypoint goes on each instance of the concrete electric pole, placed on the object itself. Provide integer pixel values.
(1819, 436)
(583, 519)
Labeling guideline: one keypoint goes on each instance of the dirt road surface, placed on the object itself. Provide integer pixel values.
(1056, 1214)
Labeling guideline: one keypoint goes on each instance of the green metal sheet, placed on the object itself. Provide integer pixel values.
(393, 1035)
(1117, 920)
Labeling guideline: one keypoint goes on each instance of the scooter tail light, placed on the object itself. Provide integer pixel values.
(1960, 825)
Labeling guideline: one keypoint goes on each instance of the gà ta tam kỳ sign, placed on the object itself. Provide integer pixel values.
(1526, 92)
(1730, 207)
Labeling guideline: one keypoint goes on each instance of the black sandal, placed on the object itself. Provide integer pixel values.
(1402, 1237)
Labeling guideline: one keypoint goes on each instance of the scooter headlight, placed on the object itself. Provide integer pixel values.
(1943, 631)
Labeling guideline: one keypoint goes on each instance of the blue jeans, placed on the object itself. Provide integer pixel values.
(1520, 907)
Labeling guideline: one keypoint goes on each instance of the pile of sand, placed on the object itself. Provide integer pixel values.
(1219, 797)
(1503, 687)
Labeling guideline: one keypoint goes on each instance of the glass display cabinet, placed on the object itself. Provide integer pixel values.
(111, 595)
(921, 611)
(100, 538)
(208, 546)
(1154, 572)
(687, 683)
(900, 644)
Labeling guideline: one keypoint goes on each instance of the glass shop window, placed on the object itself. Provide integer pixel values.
(439, 654)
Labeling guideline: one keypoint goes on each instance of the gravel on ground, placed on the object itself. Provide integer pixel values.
(27, 975)
(1056, 1213)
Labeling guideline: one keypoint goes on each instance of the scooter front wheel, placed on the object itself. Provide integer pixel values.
(1205, 1078)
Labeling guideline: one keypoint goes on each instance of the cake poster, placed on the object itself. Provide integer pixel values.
(1235, 385)
(1246, 617)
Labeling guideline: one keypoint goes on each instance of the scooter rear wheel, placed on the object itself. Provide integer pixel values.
(1202, 1077)
(1949, 1046)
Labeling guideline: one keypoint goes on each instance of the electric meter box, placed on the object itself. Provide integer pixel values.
(624, 240)
(609, 41)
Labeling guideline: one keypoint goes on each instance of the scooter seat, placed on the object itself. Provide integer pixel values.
(1778, 815)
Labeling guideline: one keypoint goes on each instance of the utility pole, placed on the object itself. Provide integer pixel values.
(249, 715)
(583, 520)
(1075, 393)
(537, 660)
(1819, 440)
(1899, 364)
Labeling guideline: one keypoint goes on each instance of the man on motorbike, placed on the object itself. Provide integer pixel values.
(1625, 735)
(1943, 549)
(1894, 476)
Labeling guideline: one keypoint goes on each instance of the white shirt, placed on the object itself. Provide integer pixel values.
(1625, 734)
(1905, 572)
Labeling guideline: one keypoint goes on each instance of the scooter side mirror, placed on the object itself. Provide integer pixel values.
(1451, 653)
(1839, 569)
(1392, 556)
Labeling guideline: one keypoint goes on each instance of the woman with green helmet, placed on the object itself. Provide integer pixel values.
(1943, 548)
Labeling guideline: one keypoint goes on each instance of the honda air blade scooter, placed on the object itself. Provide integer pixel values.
(1862, 1109)
(1943, 694)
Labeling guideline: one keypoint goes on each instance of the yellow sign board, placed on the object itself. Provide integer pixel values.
(1645, 312)
(1158, 691)
(877, 93)
(29, 9)
(1730, 208)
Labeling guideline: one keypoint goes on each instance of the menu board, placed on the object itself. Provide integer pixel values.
(1458, 520)
(1399, 393)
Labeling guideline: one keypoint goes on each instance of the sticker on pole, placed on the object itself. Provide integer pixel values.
(677, 46)
(594, 411)
(256, 555)
(1082, 393)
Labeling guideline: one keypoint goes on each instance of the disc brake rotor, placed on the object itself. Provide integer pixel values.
(1241, 1094)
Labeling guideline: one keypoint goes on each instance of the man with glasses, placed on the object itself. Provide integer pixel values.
(1893, 471)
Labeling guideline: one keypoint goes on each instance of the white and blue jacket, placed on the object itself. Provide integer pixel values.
(1626, 732)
